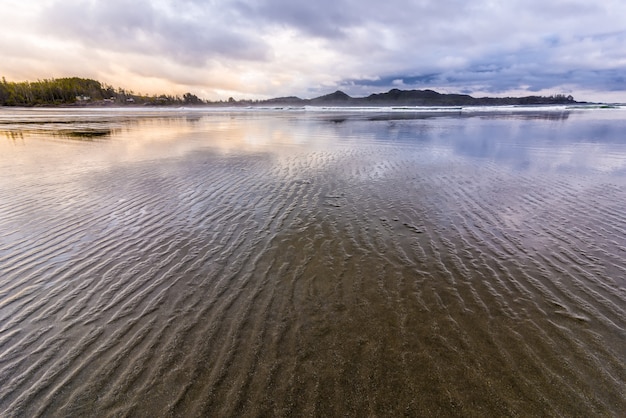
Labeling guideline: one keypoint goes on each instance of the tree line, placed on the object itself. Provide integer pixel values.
(81, 91)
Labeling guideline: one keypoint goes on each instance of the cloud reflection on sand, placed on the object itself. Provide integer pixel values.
(279, 263)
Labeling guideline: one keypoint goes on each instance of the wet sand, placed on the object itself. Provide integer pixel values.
(297, 264)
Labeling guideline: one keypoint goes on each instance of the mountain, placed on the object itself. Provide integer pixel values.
(336, 98)
(396, 97)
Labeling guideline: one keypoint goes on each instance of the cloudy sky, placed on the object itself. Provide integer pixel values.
(269, 48)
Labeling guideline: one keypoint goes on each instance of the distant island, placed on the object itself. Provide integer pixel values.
(397, 97)
(75, 91)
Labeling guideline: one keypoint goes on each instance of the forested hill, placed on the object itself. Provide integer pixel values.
(79, 91)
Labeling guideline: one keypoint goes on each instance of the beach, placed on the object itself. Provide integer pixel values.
(311, 262)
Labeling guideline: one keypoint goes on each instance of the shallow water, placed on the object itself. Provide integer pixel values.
(294, 263)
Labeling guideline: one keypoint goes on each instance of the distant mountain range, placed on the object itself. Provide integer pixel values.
(397, 97)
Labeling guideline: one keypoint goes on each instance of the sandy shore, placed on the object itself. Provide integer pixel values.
(299, 266)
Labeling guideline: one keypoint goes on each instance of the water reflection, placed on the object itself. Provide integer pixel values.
(85, 134)
(528, 140)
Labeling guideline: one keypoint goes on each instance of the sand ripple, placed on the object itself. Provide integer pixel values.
(364, 280)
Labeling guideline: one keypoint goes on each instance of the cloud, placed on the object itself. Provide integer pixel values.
(322, 18)
(260, 48)
(177, 31)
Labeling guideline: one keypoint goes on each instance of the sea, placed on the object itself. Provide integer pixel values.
(281, 262)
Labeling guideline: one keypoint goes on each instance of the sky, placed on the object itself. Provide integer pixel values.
(255, 49)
